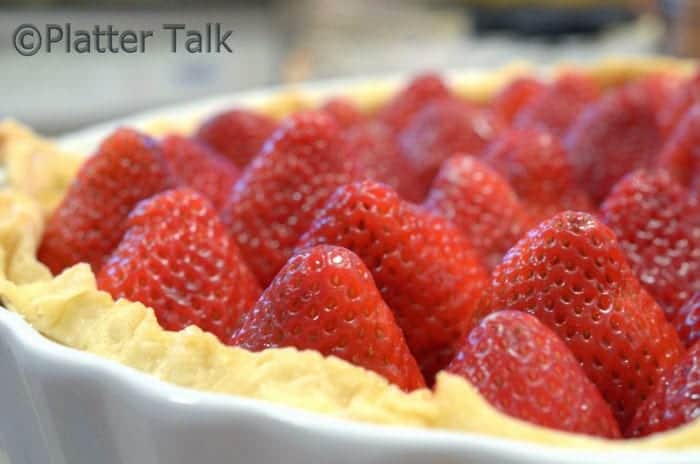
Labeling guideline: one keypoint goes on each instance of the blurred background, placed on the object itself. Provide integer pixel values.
(278, 41)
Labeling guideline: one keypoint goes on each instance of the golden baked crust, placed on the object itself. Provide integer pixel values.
(35, 165)
(70, 310)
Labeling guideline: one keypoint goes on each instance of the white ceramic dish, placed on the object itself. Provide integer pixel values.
(62, 406)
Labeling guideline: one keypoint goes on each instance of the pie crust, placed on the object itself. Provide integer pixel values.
(70, 310)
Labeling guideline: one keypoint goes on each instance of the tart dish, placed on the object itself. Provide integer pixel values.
(450, 253)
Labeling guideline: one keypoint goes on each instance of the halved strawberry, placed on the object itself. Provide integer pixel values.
(178, 258)
(681, 153)
(238, 134)
(687, 321)
(557, 106)
(674, 401)
(481, 204)
(657, 224)
(424, 268)
(514, 96)
(424, 88)
(279, 193)
(441, 129)
(377, 153)
(571, 274)
(324, 299)
(201, 168)
(345, 113)
(536, 165)
(89, 222)
(525, 370)
(614, 136)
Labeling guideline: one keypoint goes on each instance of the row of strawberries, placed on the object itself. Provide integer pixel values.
(404, 241)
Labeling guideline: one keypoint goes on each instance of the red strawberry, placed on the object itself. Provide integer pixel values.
(89, 222)
(559, 104)
(614, 136)
(659, 88)
(201, 168)
(687, 320)
(674, 401)
(279, 193)
(518, 93)
(426, 271)
(377, 153)
(686, 95)
(237, 134)
(681, 153)
(442, 129)
(324, 299)
(523, 369)
(399, 111)
(657, 224)
(178, 258)
(481, 204)
(536, 165)
(571, 274)
(345, 113)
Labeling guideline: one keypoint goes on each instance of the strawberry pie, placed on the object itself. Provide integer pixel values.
(516, 255)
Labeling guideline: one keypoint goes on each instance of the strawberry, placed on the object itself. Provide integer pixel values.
(345, 113)
(674, 401)
(536, 165)
(518, 93)
(324, 299)
(570, 273)
(238, 135)
(441, 129)
(201, 168)
(379, 158)
(425, 270)
(686, 95)
(681, 152)
(177, 258)
(481, 204)
(687, 320)
(657, 224)
(89, 222)
(278, 194)
(659, 88)
(556, 106)
(523, 369)
(399, 111)
(614, 136)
